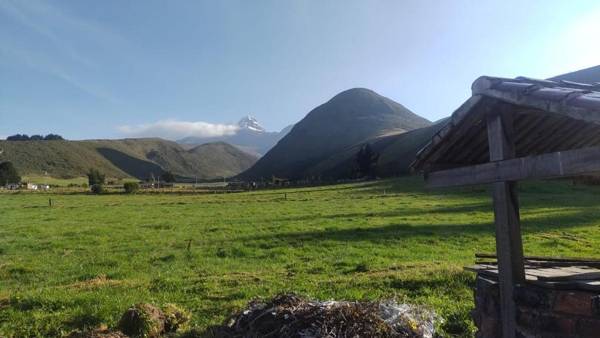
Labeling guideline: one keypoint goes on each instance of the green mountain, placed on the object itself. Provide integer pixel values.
(317, 143)
(138, 158)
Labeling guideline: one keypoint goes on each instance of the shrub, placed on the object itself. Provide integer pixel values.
(97, 188)
(95, 177)
(131, 187)
(168, 177)
(8, 174)
(176, 318)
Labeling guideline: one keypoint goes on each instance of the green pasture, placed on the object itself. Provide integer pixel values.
(82, 262)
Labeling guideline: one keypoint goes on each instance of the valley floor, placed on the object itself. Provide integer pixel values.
(82, 262)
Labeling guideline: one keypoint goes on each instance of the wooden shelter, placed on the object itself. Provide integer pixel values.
(512, 130)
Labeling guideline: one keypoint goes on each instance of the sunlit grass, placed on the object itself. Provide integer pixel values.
(82, 262)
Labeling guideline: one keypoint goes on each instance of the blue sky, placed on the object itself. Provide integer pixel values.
(107, 69)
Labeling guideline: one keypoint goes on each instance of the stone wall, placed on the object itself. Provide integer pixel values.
(542, 312)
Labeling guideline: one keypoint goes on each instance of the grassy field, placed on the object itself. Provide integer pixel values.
(82, 262)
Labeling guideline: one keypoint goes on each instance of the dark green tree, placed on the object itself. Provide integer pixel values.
(97, 189)
(8, 174)
(366, 159)
(131, 187)
(53, 137)
(95, 177)
(18, 137)
(168, 177)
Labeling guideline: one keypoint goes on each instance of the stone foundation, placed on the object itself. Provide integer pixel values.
(542, 312)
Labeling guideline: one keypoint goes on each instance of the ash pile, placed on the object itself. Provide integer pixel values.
(293, 316)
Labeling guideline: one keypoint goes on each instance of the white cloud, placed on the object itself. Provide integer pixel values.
(173, 129)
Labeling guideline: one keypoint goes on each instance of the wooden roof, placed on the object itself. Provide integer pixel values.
(548, 116)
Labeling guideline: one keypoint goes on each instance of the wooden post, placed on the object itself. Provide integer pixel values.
(509, 248)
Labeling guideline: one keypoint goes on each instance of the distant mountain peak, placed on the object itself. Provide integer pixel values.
(251, 123)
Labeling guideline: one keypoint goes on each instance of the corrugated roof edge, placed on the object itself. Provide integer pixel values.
(575, 100)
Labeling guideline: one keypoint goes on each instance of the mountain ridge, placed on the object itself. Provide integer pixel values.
(122, 158)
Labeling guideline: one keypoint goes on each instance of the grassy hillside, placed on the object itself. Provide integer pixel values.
(220, 159)
(123, 158)
(349, 118)
(397, 151)
(82, 262)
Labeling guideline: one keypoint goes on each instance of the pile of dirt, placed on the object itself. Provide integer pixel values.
(143, 320)
(293, 316)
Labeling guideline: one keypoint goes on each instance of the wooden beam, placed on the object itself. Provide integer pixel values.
(552, 165)
(582, 260)
(509, 248)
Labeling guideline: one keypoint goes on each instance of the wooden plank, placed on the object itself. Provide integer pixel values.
(570, 131)
(562, 274)
(492, 271)
(545, 258)
(534, 140)
(553, 165)
(509, 248)
(548, 273)
(588, 285)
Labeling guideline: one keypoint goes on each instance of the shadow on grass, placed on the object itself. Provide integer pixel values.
(399, 212)
(396, 231)
(84, 321)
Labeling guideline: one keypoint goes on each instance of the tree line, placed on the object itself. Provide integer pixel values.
(96, 180)
(25, 137)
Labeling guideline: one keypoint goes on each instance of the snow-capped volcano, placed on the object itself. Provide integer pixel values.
(249, 122)
(250, 136)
